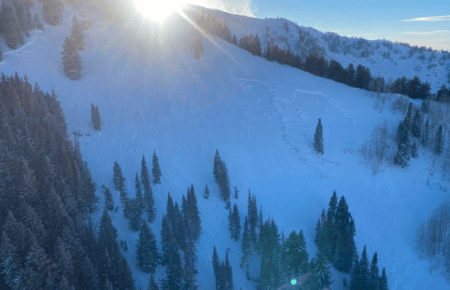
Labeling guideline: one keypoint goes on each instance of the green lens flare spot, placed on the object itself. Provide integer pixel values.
(293, 281)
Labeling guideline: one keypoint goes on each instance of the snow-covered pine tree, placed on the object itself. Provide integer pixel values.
(77, 34)
(146, 251)
(364, 270)
(439, 143)
(416, 124)
(149, 203)
(156, 169)
(318, 138)
(71, 60)
(109, 202)
(119, 183)
(139, 198)
(236, 221)
(403, 152)
(414, 153)
(206, 195)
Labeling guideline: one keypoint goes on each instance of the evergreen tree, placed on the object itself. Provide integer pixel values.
(77, 34)
(109, 202)
(321, 269)
(408, 119)
(190, 258)
(71, 60)
(133, 213)
(383, 281)
(373, 277)
(206, 195)
(415, 129)
(414, 150)
(215, 262)
(236, 193)
(295, 255)
(152, 285)
(401, 132)
(9, 26)
(355, 281)
(439, 143)
(252, 213)
(220, 172)
(146, 250)
(236, 223)
(119, 183)
(139, 198)
(345, 238)
(364, 270)
(95, 116)
(149, 203)
(228, 273)
(246, 245)
(318, 138)
(156, 170)
(403, 152)
(426, 133)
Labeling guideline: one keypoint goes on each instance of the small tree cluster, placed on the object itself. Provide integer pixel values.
(71, 60)
(220, 172)
(335, 233)
(251, 43)
(365, 276)
(95, 116)
(223, 272)
(146, 251)
(234, 223)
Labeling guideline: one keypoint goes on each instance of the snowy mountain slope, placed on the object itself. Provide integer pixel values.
(261, 116)
(384, 58)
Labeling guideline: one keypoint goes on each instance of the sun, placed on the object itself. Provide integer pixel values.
(158, 10)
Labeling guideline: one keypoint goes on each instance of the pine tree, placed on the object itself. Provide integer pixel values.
(373, 277)
(119, 183)
(408, 119)
(71, 60)
(364, 270)
(321, 269)
(236, 222)
(228, 273)
(190, 258)
(345, 245)
(77, 34)
(9, 26)
(149, 203)
(426, 133)
(206, 195)
(383, 281)
(236, 193)
(139, 198)
(403, 152)
(95, 116)
(134, 214)
(439, 143)
(215, 261)
(318, 138)
(152, 285)
(146, 250)
(415, 129)
(109, 202)
(156, 170)
(246, 244)
(414, 150)
(355, 281)
(220, 172)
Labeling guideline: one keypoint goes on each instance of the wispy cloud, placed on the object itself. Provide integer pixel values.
(242, 7)
(425, 33)
(430, 18)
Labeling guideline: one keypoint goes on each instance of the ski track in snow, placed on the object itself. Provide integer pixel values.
(263, 125)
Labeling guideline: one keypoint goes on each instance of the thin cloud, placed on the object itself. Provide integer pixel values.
(430, 18)
(241, 7)
(425, 33)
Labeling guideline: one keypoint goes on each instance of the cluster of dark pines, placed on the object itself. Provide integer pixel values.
(213, 25)
(133, 208)
(70, 57)
(95, 116)
(335, 233)
(16, 22)
(251, 43)
(410, 131)
(48, 194)
(365, 276)
(318, 138)
(443, 95)
(220, 172)
(52, 11)
(222, 271)
(179, 232)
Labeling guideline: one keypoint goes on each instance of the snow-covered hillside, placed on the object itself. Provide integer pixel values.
(384, 58)
(261, 116)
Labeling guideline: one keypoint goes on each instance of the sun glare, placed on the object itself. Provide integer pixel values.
(158, 10)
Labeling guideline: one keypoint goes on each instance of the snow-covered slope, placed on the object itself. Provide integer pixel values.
(261, 116)
(384, 58)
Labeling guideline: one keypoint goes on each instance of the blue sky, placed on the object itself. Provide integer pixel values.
(370, 19)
